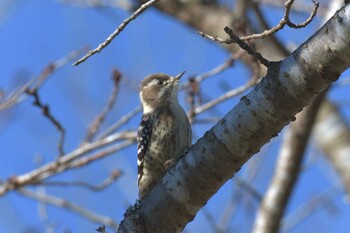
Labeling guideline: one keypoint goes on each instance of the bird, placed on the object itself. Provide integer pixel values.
(164, 134)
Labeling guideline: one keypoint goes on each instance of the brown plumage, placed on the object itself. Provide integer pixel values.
(164, 133)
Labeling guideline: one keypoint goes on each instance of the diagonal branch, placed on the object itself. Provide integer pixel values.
(95, 125)
(19, 95)
(259, 116)
(122, 121)
(71, 160)
(116, 32)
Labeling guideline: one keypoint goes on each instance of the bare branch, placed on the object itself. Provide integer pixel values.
(216, 70)
(19, 95)
(307, 21)
(122, 121)
(64, 204)
(46, 112)
(100, 187)
(193, 93)
(246, 47)
(99, 155)
(95, 125)
(241, 43)
(226, 96)
(248, 188)
(284, 21)
(116, 32)
(65, 162)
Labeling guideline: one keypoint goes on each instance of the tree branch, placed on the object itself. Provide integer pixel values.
(69, 206)
(19, 95)
(259, 116)
(95, 125)
(116, 32)
(70, 160)
(46, 112)
(283, 22)
(100, 187)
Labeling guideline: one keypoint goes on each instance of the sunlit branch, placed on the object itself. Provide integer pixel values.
(116, 32)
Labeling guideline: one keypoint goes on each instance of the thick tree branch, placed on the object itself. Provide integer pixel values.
(287, 88)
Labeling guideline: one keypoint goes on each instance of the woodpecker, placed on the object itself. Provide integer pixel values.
(164, 134)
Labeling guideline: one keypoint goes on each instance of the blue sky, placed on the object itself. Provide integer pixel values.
(34, 33)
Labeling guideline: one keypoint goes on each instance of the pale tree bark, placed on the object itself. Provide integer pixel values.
(287, 170)
(332, 135)
(259, 116)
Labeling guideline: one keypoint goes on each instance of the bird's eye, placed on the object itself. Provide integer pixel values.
(160, 82)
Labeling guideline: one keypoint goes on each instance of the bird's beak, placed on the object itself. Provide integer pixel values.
(177, 77)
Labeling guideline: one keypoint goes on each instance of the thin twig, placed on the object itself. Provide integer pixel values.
(235, 39)
(193, 87)
(95, 125)
(193, 93)
(122, 121)
(216, 70)
(226, 96)
(308, 20)
(246, 47)
(248, 188)
(99, 155)
(284, 21)
(18, 95)
(61, 203)
(100, 187)
(46, 112)
(121, 27)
